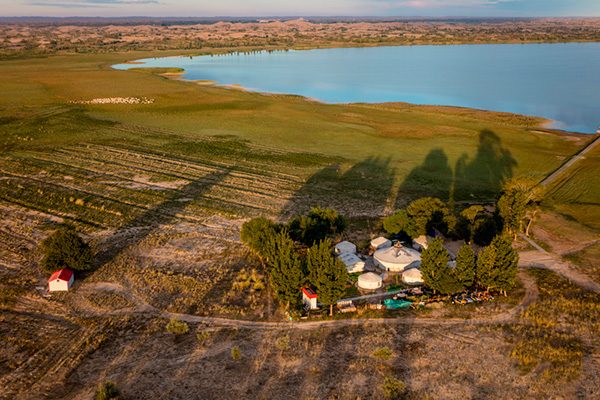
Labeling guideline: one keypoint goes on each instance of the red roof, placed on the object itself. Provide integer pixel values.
(309, 293)
(62, 275)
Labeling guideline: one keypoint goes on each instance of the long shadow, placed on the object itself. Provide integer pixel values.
(141, 226)
(481, 177)
(432, 178)
(364, 189)
(490, 168)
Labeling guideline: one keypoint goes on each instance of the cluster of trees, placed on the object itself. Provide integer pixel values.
(516, 208)
(495, 267)
(288, 270)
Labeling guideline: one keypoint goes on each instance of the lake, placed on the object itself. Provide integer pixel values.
(559, 81)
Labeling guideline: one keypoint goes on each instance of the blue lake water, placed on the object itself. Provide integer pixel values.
(557, 81)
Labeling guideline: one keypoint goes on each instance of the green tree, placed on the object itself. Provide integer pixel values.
(285, 267)
(465, 266)
(317, 225)
(520, 198)
(331, 278)
(317, 256)
(256, 233)
(427, 213)
(107, 390)
(399, 222)
(434, 265)
(497, 266)
(511, 207)
(485, 230)
(66, 249)
(467, 220)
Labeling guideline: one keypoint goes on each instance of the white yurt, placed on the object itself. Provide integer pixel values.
(397, 258)
(345, 247)
(380, 243)
(421, 243)
(370, 281)
(353, 263)
(412, 277)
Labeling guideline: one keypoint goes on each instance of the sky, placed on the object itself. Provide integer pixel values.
(263, 8)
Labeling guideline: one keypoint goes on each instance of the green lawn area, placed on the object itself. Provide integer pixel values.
(362, 158)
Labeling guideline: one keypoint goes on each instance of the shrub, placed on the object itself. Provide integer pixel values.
(383, 353)
(107, 390)
(236, 353)
(283, 342)
(203, 335)
(393, 387)
(177, 326)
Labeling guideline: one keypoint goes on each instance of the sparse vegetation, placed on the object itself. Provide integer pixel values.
(178, 327)
(236, 353)
(107, 390)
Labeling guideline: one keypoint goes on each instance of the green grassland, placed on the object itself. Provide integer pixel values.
(576, 193)
(361, 158)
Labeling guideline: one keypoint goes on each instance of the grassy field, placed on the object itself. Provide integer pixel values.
(412, 150)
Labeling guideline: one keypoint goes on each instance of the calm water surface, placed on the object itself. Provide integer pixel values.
(555, 81)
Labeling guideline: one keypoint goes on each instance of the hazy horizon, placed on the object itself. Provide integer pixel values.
(306, 8)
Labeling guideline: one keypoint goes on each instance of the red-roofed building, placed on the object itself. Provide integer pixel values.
(61, 280)
(309, 298)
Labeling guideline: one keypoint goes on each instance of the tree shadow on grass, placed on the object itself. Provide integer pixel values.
(481, 177)
(144, 224)
(363, 189)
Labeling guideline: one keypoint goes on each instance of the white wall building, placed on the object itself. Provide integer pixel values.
(345, 247)
(397, 258)
(381, 243)
(370, 281)
(61, 280)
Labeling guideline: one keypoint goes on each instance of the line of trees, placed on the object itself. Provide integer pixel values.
(495, 268)
(516, 209)
(275, 245)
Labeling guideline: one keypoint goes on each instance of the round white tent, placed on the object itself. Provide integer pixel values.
(412, 277)
(370, 281)
(397, 258)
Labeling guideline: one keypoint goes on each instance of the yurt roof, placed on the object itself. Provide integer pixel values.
(350, 258)
(397, 255)
(370, 277)
(379, 241)
(345, 245)
(413, 273)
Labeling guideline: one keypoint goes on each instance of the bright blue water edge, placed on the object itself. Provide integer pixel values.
(558, 81)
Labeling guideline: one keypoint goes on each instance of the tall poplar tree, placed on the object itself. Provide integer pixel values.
(285, 267)
(434, 263)
(331, 278)
(497, 266)
(465, 266)
(318, 255)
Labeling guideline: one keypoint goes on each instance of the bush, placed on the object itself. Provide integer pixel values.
(236, 353)
(203, 335)
(393, 387)
(283, 342)
(177, 326)
(107, 390)
(383, 353)
(65, 249)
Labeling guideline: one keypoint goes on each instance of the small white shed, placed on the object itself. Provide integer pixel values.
(380, 243)
(345, 247)
(309, 298)
(61, 280)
